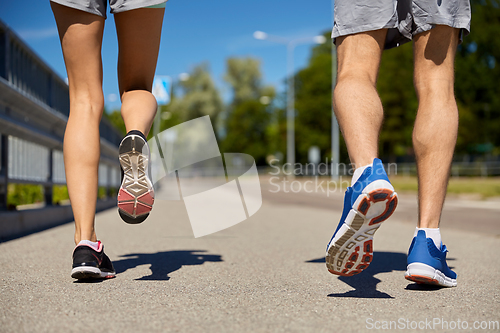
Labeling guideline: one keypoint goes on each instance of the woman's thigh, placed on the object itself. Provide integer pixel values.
(139, 33)
(81, 38)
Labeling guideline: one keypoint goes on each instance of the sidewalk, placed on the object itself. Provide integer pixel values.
(266, 274)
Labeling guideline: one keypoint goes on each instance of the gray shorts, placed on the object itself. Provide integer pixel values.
(98, 7)
(403, 18)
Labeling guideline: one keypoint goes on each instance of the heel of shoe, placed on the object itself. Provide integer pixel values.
(378, 205)
(425, 274)
(131, 143)
(132, 220)
(421, 273)
(85, 272)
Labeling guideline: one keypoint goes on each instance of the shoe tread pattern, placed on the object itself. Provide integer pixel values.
(136, 195)
(353, 252)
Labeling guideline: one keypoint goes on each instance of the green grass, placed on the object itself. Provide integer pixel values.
(485, 187)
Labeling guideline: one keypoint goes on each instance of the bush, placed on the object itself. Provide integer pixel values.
(23, 194)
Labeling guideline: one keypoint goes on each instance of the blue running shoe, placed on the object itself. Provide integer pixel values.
(427, 263)
(369, 202)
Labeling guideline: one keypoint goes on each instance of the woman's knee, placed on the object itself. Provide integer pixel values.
(88, 104)
(143, 97)
(138, 85)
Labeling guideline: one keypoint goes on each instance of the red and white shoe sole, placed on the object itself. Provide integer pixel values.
(351, 251)
(136, 194)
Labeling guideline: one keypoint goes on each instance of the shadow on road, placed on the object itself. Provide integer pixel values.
(164, 263)
(365, 283)
(87, 281)
(423, 287)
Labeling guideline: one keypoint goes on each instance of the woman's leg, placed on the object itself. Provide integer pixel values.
(81, 38)
(139, 33)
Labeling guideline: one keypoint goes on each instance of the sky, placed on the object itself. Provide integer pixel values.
(194, 31)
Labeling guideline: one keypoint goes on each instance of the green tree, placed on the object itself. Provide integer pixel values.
(477, 78)
(115, 117)
(195, 97)
(198, 96)
(248, 117)
(313, 91)
(395, 88)
(244, 77)
(276, 129)
(247, 128)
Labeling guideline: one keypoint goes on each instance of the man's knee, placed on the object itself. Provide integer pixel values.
(356, 69)
(434, 87)
(434, 61)
(356, 75)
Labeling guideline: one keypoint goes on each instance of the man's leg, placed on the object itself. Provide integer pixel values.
(81, 38)
(434, 138)
(356, 101)
(436, 125)
(371, 198)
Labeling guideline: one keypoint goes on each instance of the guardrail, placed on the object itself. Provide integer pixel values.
(458, 169)
(34, 108)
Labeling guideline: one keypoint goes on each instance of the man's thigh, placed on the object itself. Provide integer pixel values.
(360, 53)
(438, 29)
(452, 13)
(434, 53)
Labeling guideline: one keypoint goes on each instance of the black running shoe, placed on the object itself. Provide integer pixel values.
(136, 193)
(91, 264)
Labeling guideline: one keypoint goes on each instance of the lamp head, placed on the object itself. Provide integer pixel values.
(320, 39)
(260, 35)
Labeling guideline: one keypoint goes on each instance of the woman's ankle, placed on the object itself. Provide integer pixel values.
(85, 236)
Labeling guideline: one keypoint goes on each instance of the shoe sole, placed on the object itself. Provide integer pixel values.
(351, 251)
(136, 194)
(83, 273)
(425, 274)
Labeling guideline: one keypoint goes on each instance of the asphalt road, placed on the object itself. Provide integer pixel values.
(266, 274)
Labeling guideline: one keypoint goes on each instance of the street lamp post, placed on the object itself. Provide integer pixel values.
(290, 110)
(290, 107)
(335, 123)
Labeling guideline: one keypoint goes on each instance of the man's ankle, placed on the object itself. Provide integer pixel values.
(432, 233)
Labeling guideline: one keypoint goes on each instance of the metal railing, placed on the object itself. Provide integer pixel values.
(458, 169)
(34, 108)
